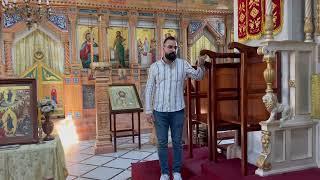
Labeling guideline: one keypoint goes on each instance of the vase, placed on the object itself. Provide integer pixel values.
(47, 127)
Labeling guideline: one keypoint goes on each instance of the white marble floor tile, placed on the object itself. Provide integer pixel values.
(152, 157)
(120, 163)
(147, 148)
(123, 176)
(119, 153)
(89, 150)
(136, 155)
(129, 146)
(102, 173)
(77, 157)
(71, 177)
(79, 169)
(97, 160)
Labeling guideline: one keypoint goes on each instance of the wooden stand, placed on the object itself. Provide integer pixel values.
(124, 99)
(133, 133)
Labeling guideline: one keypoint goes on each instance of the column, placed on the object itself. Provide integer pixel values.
(269, 21)
(66, 44)
(8, 38)
(318, 18)
(184, 23)
(103, 49)
(103, 142)
(159, 32)
(308, 25)
(73, 21)
(263, 161)
(2, 70)
(133, 19)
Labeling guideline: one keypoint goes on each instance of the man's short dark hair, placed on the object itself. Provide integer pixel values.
(169, 38)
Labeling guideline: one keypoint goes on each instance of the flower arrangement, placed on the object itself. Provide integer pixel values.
(47, 106)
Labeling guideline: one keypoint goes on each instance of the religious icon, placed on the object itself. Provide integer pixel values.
(140, 50)
(54, 95)
(118, 45)
(86, 37)
(146, 46)
(85, 51)
(124, 97)
(119, 49)
(18, 109)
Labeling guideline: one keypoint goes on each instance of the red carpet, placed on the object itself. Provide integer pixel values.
(199, 168)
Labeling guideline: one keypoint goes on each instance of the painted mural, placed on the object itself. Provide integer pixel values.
(146, 46)
(118, 45)
(85, 34)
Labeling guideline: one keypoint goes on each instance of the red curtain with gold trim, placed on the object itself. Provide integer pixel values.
(251, 17)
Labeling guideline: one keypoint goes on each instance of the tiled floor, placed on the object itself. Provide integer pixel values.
(83, 164)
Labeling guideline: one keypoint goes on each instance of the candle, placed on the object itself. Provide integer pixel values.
(39, 2)
(47, 2)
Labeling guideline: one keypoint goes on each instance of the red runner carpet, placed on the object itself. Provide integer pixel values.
(199, 168)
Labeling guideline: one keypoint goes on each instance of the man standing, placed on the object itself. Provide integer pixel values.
(164, 102)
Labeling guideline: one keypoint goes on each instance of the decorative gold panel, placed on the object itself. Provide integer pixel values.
(315, 96)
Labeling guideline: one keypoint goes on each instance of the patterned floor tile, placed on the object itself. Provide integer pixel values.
(97, 160)
(79, 169)
(120, 163)
(136, 155)
(123, 176)
(102, 173)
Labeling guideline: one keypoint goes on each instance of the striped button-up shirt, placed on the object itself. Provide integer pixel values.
(164, 89)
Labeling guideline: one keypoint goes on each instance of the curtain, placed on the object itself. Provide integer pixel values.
(25, 48)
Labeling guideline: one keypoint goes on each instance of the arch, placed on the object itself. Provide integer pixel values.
(201, 31)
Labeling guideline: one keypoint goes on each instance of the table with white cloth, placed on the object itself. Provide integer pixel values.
(34, 162)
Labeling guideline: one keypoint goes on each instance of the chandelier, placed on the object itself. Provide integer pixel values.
(30, 11)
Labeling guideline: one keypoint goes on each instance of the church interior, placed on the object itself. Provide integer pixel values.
(73, 76)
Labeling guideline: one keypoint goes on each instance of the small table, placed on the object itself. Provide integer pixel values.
(34, 161)
(132, 131)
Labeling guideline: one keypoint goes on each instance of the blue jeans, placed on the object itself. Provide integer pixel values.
(174, 120)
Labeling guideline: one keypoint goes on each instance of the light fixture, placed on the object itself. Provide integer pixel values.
(31, 11)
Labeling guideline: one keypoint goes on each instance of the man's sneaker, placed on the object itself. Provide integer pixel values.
(177, 176)
(164, 177)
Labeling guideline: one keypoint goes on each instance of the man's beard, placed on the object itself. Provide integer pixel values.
(171, 56)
